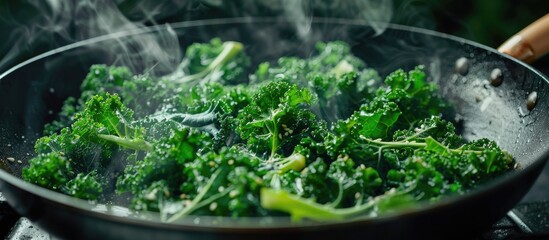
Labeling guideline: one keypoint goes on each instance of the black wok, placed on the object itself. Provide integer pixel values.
(30, 92)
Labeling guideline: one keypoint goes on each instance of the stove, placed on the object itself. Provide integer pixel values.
(528, 220)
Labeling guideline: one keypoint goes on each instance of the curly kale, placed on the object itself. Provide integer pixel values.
(276, 115)
(51, 170)
(416, 98)
(431, 171)
(101, 131)
(85, 186)
(321, 138)
(165, 163)
(340, 81)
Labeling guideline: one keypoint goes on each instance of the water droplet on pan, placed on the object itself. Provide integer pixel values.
(532, 100)
(462, 66)
(496, 77)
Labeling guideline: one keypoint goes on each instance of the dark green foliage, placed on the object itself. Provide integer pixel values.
(416, 98)
(310, 183)
(152, 196)
(340, 81)
(85, 186)
(106, 120)
(340, 184)
(115, 80)
(472, 163)
(157, 91)
(102, 78)
(432, 171)
(321, 138)
(54, 171)
(211, 107)
(317, 143)
(51, 170)
(166, 162)
(276, 115)
(129, 87)
(332, 58)
(355, 183)
(223, 100)
(435, 127)
(83, 152)
(238, 179)
(373, 120)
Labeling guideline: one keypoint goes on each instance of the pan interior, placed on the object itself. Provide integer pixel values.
(31, 94)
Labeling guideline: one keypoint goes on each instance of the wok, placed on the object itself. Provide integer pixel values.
(30, 91)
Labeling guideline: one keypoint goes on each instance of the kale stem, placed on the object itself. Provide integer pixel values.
(465, 151)
(213, 198)
(337, 201)
(196, 202)
(274, 132)
(416, 134)
(230, 50)
(295, 162)
(383, 144)
(395, 144)
(135, 144)
(299, 207)
(379, 153)
(274, 142)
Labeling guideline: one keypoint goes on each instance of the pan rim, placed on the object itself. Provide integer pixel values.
(87, 208)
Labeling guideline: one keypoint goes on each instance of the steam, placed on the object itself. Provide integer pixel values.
(60, 22)
(53, 23)
(377, 13)
(299, 13)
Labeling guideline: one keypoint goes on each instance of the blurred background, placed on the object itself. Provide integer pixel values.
(30, 27)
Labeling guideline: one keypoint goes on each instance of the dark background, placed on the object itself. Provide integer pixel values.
(29, 27)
